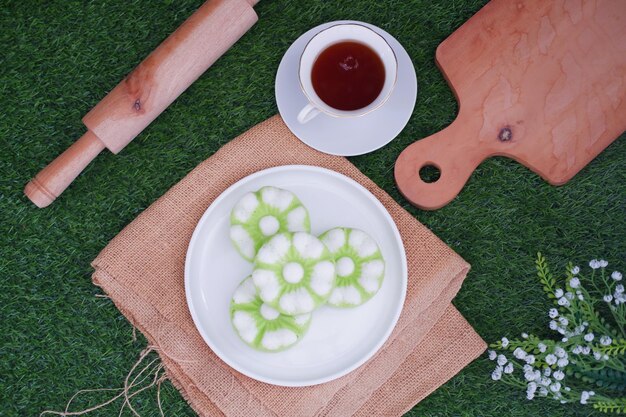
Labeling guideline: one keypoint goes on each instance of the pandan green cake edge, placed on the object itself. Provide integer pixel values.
(259, 215)
(360, 266)
(260, 326)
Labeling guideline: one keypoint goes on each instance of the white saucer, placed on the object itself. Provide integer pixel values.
(347, 137)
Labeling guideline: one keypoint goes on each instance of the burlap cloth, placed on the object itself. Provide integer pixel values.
(142, 271)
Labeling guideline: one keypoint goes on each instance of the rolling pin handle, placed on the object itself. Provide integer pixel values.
(51, 181)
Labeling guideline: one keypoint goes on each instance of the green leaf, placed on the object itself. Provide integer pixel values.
(617, 405)
(545, 276)
(617, 348)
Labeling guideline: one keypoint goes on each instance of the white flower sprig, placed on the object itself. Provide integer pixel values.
(590, 351)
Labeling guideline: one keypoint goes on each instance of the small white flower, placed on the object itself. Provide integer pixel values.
(547, 371)
(575, 270)
(534, 375)
(553, 313)
(580, 297)
(608, 298)
(606, 340)
(568, 389)
(529, 359)
(502, 360)
(560, 352)
(562, 363)
(519, 353)
(591, 393)
(577, 349)
(564, 340)
(558, 293)
(492, 355)
(531, 388)
(605, 357)
(551, 359)
(603, 263)
(563, 302)
(588, 337)
(543, 391)
(619, 289)
(556, 387)
(560, 330)
(584, 396)
(505, 342)
(527, 368)
(545, 381)
(569, 295)
(524, 335)
(616, 275)
(553, 325)
(597, 356)
(508, 369)
(564, 321)
(497, 373)
(558, 375)
(586, 350)
(542, 347)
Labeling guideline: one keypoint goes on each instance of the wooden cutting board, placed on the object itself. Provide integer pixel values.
(539, 81)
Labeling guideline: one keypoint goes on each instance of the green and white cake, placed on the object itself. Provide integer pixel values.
(294, 273)
(262, 214)
(261, 326)
(360, 266)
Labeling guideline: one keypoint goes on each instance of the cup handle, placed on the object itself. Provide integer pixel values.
(308, 113)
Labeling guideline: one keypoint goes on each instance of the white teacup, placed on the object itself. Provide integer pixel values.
(342, 33)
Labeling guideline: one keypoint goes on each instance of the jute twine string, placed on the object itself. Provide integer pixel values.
(127, 385)
(153, 371)
(162, 379)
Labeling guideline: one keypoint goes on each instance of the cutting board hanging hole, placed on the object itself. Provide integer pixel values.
(430, 173)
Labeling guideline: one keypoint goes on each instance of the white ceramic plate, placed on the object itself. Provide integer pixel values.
(339, 340)
(342, 136)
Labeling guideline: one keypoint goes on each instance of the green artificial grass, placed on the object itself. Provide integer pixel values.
(59, 58)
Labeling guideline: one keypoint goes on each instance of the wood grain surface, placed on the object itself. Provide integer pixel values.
(147, 91)
(542, 82)
(172, 67)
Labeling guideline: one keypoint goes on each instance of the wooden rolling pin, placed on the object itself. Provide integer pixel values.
(147, 91)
